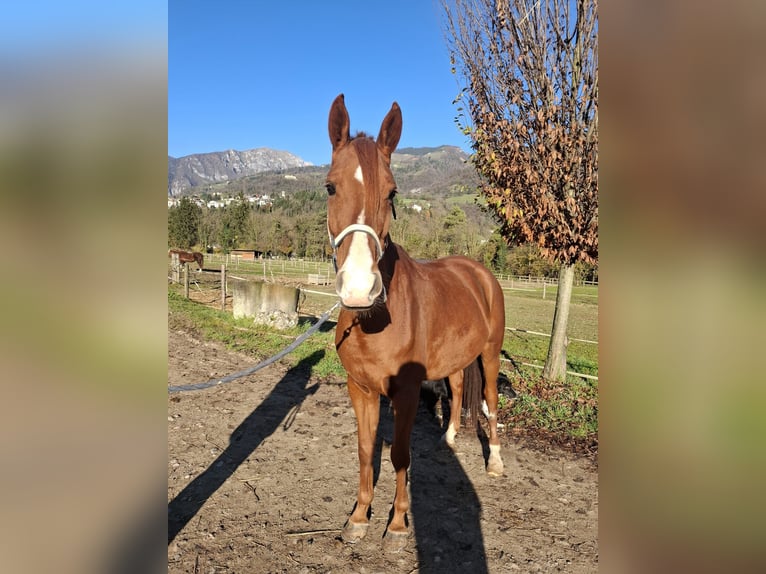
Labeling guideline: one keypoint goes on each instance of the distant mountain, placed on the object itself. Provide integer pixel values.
(427, 171)
(443, 170)
(217, 167)
(420, 151)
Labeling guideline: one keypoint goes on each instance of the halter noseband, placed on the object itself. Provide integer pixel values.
(354, 227)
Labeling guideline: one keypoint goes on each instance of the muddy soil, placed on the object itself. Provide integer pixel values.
(262, 474)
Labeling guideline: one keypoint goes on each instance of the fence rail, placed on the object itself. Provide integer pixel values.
(539, 281)
(321, 273)
(583, 375)
(324, 267)
(548, 335)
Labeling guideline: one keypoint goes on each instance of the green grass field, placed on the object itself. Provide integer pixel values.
(568, 410)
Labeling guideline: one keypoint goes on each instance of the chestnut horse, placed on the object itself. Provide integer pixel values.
(188, 257)
(402, 321)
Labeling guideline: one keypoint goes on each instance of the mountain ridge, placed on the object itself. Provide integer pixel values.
(440, 170)
(193, 170)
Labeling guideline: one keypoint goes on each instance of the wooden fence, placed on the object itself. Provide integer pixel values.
(538, 282)
(321, 273)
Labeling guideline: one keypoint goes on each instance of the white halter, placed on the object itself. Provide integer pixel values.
(354, 227)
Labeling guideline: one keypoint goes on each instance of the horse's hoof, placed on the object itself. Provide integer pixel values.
(495, 467)
(395, 541)
(353, 532)
(449, 441)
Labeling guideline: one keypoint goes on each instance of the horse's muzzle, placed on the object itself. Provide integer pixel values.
(358, 290)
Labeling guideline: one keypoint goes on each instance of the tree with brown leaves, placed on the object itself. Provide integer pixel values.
(530, 107)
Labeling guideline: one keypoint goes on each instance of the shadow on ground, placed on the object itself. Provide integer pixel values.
(288, 394)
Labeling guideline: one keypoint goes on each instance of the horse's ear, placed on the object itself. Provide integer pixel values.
(390, 130)
(339, 123)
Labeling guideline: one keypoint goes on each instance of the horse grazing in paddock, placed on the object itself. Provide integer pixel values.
(402, 321)
(188, 257)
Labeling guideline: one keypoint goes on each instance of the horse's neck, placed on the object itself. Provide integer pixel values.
(392, 254)
(394, 261)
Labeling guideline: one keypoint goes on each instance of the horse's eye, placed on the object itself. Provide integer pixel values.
(330, 188)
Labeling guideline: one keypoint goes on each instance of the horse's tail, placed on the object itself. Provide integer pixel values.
(473, 391)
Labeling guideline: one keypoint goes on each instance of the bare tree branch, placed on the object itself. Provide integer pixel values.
(530, 76)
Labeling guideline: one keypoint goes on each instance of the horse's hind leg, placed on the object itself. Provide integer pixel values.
(456, 406)
(491, 364)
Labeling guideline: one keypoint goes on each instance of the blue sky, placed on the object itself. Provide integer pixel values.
(48, 27)
(248, 74)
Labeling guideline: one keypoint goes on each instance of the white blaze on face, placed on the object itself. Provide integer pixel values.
(358, 282)
(358, 277)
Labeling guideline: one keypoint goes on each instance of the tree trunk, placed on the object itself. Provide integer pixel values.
(556, 362)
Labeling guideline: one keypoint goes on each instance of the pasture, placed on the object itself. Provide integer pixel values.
(262, 472)
(568, 411)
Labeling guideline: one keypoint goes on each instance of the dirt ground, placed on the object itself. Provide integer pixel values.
(262, 474)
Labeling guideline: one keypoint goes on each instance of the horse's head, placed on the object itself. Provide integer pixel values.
(361, 189)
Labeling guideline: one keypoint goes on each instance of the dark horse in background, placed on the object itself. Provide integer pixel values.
(402, 321)
(188, 257)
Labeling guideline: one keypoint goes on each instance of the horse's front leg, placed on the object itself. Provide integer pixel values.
(405, 403)
(367, 409)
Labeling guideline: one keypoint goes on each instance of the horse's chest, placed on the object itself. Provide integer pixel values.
(374, 356)
(371, 349)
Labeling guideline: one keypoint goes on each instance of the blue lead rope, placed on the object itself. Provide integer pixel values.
(289, 349)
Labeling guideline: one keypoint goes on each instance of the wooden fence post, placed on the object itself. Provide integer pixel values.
(175, 268)
(223, 287)
(186, 280)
